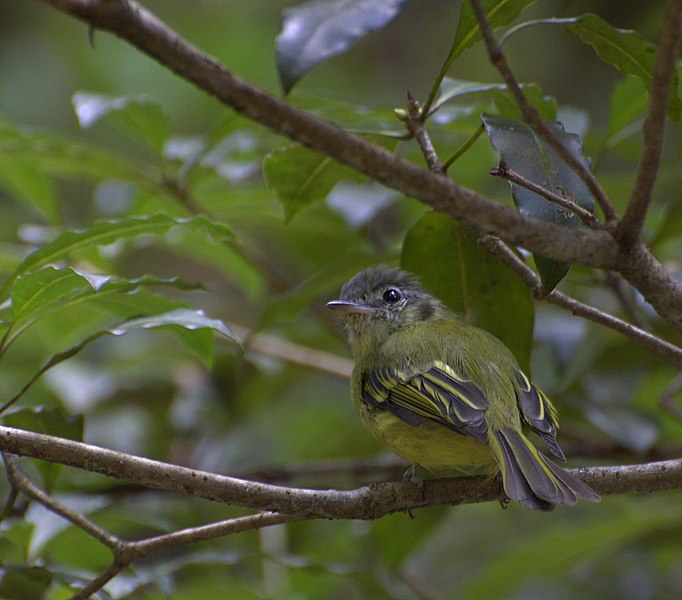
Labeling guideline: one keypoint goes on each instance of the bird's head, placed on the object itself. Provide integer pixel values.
(381, 300)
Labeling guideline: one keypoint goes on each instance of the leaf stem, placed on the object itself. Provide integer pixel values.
(470, 141)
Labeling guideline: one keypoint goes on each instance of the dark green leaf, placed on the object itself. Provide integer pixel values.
(499, 12)
(628, 103)
(62, 157)
(108, 232)
(45, 292)
(533, 159)
(22, 177)
(47, 420)
(140, 116)
(506, 573)
(453, 89)
(23, 583)
(472, 282)
(626, 50)
(298, 177)
(317, 30)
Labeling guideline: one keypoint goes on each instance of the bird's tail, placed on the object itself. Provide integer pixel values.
(533, 479)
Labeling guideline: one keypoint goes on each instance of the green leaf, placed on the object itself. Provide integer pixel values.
(140, 116)
(626, 50)
(533, 159)
(319, 29)
(53, 154)
(454, 89)
(504, 574)
(107, 232)
(41, 293)
(499, 13)
(192, 327)
(23, 583)
(298, 177)
(472, 282)
(21, 177)
(629, 102)
(47, 420)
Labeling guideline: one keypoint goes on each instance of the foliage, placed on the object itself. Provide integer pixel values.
(172, 220)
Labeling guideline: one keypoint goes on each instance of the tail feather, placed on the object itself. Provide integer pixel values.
(531, 478)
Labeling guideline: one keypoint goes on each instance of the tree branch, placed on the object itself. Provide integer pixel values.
(630, 227)
(530, 115)
(126, 552)
(369, 502)
(133, 23)
(503, 171)
(533, 282)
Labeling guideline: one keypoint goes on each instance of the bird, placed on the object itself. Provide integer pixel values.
(447, 396)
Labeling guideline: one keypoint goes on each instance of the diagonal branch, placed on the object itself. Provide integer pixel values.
(630, 227)
(530, 115)
(597, 248)
(529, 277)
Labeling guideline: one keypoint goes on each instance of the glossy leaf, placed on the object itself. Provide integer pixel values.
(626, 50)
(472, 282)
(319, 29)
(454, 89)
(140, 116)
(107, 232)
(59, 156)
(298, 177)
(533, 159)
(45, 292)
(499, 13)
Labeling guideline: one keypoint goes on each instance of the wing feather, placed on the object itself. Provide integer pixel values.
(439, 394)
(537, 410)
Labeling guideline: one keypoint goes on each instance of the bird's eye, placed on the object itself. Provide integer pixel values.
(391, 295)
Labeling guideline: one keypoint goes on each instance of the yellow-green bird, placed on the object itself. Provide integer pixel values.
(446, 395)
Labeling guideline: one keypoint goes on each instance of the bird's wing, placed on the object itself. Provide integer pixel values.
(537, 410)
(439, 394)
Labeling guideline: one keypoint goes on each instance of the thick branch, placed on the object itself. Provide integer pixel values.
(593, 248)
(368, 502)
(629, 228)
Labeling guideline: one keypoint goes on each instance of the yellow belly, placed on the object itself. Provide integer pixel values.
(434, 447)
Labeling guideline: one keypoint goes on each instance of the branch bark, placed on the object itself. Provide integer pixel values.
(599, 249)
(368, 502)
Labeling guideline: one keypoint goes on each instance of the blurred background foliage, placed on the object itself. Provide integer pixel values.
(70, 156)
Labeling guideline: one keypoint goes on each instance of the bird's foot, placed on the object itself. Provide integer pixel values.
(411, 475)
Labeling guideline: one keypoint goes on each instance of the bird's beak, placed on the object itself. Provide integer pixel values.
(344, 307)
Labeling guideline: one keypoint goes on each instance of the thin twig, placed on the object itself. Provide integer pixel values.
(23, 484)
(630, 227)
(206, 532)
(616, 283)
(417, 128)
(99, 582)
(503, 170)
(533, 282)
(530, 115)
